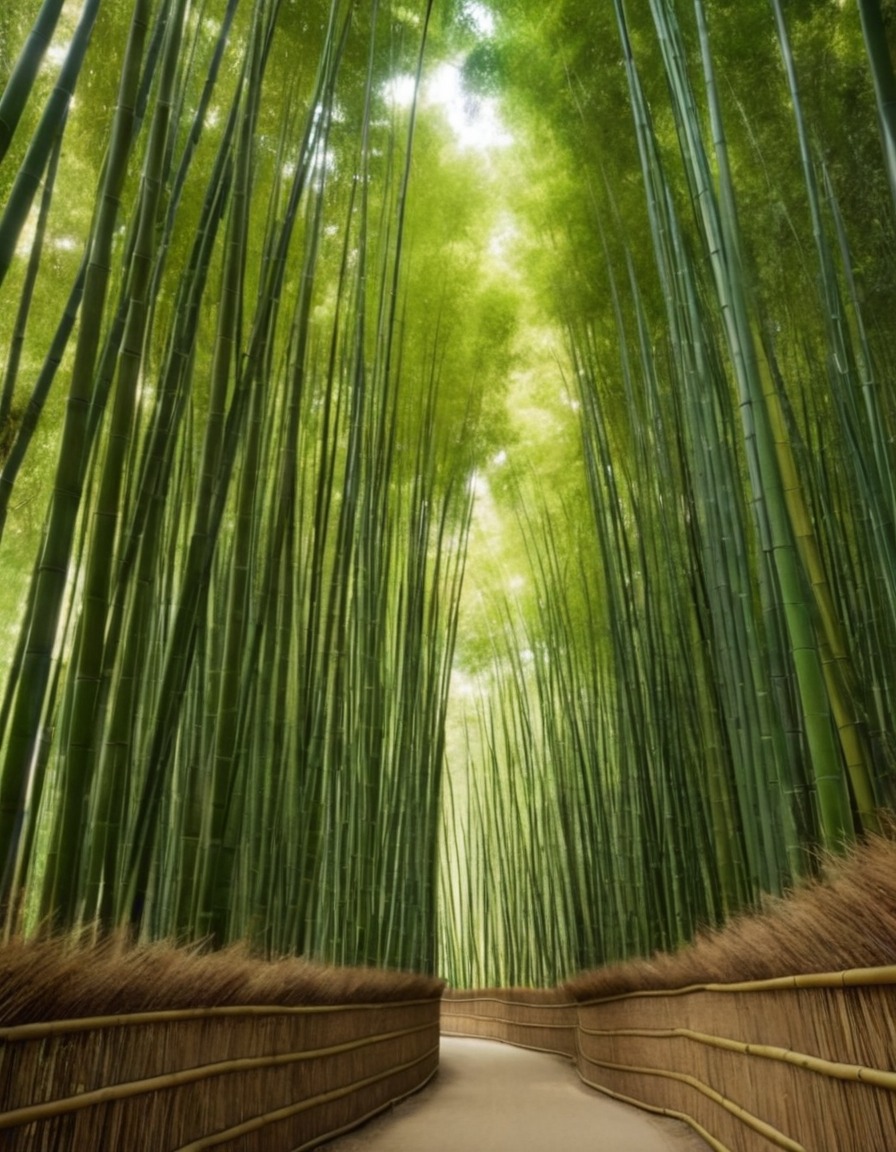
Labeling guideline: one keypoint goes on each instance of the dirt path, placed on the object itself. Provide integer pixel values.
(490, 1097)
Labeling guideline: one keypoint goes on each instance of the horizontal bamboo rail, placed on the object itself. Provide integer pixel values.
(359, 1121)
(770, 1133)
(197, 1078)
(543, 1025)
(451, 998)
(802, 1063)
(514, 1023)
(669, 1113)
(849, 978)
(327, 1097)
(836, 1070)
(132, 1019)
(130, 1088)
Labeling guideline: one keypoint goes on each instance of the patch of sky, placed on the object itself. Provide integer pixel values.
(56, 53)
(406, 16)
(478, 18)
(475, 121)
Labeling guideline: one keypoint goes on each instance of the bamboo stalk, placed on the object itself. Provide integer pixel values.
(24, 71)
(46, 1028)
(519, 1023)
(833, 1069)
(850, 978)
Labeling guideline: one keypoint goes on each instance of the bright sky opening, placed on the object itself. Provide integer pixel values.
(475, 122)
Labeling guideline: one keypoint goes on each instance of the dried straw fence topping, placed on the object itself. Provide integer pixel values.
(857, 893)
(57, 979)
(272, 1077)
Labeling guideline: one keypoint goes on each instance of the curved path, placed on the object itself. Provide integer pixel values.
(490, 1097)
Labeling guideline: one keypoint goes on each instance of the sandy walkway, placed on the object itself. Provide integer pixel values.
(490, 1097)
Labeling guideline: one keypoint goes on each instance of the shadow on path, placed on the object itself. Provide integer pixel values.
(490, 1097)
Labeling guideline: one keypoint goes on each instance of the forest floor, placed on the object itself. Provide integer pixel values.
(491, 1097)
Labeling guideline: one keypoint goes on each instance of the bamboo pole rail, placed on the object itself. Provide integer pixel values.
(832, 1068)
(849, 978)
(324, 1098)
(21, 1116)
(768, 1131)
(834, 1026)
(128, 1020)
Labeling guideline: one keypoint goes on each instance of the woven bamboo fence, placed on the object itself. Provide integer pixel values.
(797, 1063)
(806, 1064)
(752, 1061)
(258, 1078)
(540, 1018)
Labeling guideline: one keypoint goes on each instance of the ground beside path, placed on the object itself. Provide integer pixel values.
(490, 1097)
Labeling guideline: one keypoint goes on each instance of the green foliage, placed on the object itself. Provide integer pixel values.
(279, 343)
(702, 707)
(251, 564)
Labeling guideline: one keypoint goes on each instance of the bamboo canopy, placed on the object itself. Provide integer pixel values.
(447, 498)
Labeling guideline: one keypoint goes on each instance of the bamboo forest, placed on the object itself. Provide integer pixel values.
(448, 493)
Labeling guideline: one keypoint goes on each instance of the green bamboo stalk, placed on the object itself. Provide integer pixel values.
(15, 349)
(51, 569)
(80, 759)
(43, 141)
(21, 79)
(195, 583)
(719, 223)
(225, 751)
(130, 626)
(840, 675)
(881, 65)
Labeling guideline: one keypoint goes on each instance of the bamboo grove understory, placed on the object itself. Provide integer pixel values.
(258, 343)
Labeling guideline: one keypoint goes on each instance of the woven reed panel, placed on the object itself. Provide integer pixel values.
(397, 1055)
(810, 1107)
(542, 1019)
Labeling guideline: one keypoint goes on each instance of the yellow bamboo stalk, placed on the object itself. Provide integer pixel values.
(50, 1108)
(449, 1000)
(849, 978)
(833, 1069)
(360, 1120)
(512, 1043)
(127, 1020)
(836, 666)
(772, 1134)
(672, 1113)
(512, 1023)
